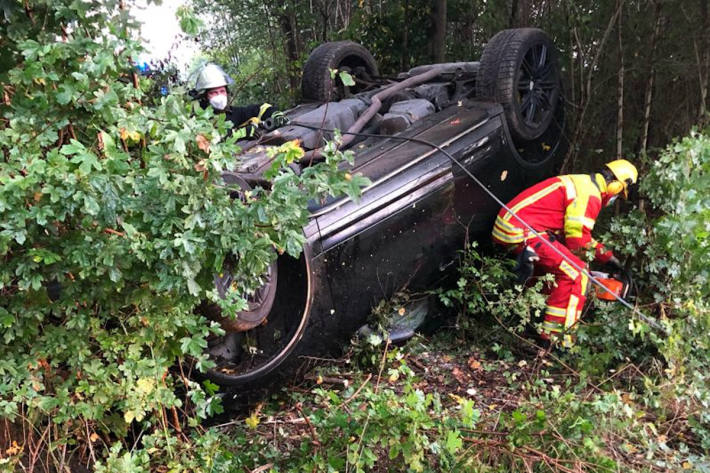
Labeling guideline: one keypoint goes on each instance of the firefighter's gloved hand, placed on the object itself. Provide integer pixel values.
(276, 120)
(526, 264)
(615, 265)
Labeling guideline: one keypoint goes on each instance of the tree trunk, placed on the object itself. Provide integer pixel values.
(287, 22)
(268, 15)
(572, 95)
(620, 88)
(438, 36)
(404, 58)
(648, 96)
(519, 14)
(704, 60)
(513, 17)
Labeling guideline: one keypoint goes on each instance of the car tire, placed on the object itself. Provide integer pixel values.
(348, 56)
(519, 69)
(251, 360)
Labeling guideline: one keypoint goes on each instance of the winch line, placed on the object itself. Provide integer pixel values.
(650, 321)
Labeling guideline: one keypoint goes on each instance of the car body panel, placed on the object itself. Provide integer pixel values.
(410, 225)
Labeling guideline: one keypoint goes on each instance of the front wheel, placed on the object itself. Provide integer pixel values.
(253, 357)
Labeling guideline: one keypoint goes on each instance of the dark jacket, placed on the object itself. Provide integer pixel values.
(240, 115)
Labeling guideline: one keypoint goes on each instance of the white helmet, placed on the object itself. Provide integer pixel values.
(211, 76)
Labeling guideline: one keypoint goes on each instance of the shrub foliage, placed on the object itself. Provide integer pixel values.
(113, 221)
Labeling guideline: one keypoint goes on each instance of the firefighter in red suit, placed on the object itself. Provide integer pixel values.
(563, 211)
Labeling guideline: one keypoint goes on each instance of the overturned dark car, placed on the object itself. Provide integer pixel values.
(501, 119)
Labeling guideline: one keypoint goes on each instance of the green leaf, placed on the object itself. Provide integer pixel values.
(346, 79)
(453, 442)
(65, 94)
(6, 318)
(189, 22)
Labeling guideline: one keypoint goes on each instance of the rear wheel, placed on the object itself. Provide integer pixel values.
(519, 70)
(346, 56)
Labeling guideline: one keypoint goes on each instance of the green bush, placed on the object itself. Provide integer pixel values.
(113, 220)
(486, 288)
(668, 244)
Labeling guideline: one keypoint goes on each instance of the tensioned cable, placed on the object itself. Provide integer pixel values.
(653, 323)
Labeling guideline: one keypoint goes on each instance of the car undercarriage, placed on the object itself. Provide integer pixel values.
(416, 138)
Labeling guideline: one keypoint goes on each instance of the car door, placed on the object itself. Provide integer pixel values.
(405, 231)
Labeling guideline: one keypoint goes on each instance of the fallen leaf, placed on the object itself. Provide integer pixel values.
(14, 449)
(93, 437)
(474, 364)
(459, 375)
(263, 468)
(401, 311)
(630, 448)
(203, 143)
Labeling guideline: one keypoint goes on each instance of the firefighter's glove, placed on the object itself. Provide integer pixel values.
(276, 120)
(615, 265)
(526, 264)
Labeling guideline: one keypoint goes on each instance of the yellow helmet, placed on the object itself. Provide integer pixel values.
(625, 174)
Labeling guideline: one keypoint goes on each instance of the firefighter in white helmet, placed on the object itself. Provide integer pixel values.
(212, 90)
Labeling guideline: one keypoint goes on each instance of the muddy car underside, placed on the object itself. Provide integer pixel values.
(500, 118)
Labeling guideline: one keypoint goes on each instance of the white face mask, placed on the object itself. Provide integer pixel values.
(612, 199)
(219, 102)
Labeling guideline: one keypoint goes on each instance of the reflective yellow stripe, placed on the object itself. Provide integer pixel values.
(567, 341)
(504, 224)
(251, 121)
(570, 189)
(585, 284)
(255, 120)
(504, 237)
(586, 221)
(558, 311)
(552, 327)
(595, 244)
(533, 198)
(264, 107)
(571, 311)
(575, 214)
(567, 268)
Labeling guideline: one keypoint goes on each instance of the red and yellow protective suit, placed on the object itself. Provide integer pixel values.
(563, 211)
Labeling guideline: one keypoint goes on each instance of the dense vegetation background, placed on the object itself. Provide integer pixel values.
(108, 193)
(636, 71)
